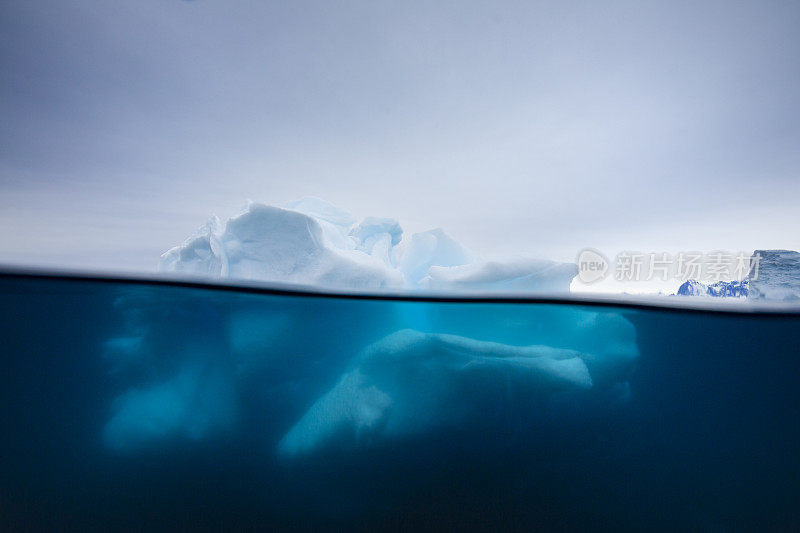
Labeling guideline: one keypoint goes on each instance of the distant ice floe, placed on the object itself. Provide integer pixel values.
(312, 242)
(774, 276)
(719, 289)
(778, 276)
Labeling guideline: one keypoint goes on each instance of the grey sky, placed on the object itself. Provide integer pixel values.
(530, 127)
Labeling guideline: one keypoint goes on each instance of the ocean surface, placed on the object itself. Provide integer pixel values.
(134, 405)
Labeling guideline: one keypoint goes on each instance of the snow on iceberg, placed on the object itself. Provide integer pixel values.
(273, 244)
(520, 274)
(312, 242)
(432, 248)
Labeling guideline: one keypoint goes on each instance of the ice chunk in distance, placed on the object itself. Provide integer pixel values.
(775, 275)
(411, 381)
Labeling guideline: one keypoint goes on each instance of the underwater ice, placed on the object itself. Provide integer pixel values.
(410, 381)
(312, 242)
(326, 376)
(197, 402)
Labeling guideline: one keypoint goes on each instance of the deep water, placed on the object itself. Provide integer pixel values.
(131, 405)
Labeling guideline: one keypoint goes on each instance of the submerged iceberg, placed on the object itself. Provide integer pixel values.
(331, 375)
(311, 242)
(194, 404)
(410, 382)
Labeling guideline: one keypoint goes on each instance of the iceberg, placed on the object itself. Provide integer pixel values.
(518, 275)
(281, 245)
(335, 374)
(196, 403)
(332, 375)
(311, 242)
(432, 248)
(410, 382)
(719, 289)
(775, 275)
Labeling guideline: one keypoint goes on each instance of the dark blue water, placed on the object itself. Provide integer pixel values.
(153, 406)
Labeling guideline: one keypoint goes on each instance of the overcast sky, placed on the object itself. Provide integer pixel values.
(530, 127)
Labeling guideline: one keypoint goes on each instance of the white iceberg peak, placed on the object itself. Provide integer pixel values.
(313, 242)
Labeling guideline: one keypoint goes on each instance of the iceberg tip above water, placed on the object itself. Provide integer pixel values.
(312, 242)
